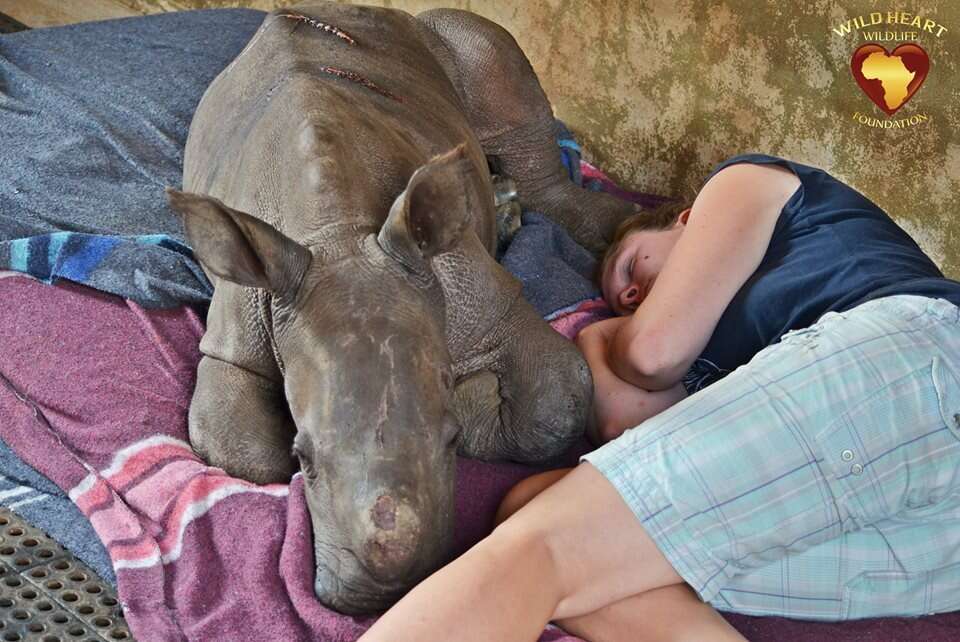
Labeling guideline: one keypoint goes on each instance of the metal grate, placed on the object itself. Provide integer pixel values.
(47, 595)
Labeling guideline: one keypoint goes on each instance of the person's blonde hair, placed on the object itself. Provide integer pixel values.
(661, 217)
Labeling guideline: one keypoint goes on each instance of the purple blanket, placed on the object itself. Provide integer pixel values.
(96, 396)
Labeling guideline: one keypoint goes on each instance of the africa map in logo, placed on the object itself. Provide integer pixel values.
(890, 79)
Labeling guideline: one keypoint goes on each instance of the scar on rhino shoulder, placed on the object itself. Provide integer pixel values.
(360, 80)
(322, 26)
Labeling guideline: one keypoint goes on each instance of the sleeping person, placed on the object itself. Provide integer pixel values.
(780, 406)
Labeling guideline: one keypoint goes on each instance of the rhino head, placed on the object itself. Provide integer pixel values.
(372, 349)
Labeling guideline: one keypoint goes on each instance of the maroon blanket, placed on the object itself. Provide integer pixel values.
(96, 399)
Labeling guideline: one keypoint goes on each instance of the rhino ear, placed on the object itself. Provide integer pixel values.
(238, 247)
(431, 214)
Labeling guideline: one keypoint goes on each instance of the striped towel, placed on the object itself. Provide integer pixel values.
(113, 264)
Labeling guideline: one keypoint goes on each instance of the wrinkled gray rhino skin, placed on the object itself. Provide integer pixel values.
(337, 192)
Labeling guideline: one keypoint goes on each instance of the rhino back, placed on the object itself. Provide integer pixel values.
(318, 136)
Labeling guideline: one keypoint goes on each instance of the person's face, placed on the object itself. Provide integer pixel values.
(636, 265)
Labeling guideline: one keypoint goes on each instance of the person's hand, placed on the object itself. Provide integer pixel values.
(617, 404)
(598, 335)
(603, 343)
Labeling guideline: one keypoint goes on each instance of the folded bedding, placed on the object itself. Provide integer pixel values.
(94, 388)
(100, 410)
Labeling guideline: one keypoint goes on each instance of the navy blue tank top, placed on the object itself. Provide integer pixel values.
(831, 249)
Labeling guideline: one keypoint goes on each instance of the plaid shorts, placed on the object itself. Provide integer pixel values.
(821, 480)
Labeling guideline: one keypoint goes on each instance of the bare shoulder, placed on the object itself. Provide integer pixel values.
(758, 179)
(756, 184)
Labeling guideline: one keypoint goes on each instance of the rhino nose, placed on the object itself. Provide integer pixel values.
(392, 545)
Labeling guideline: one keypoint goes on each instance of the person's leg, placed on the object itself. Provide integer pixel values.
(831, 430)
(901, 567)
(668, 614)
(575, 548)
(840, 426)
(525, 490)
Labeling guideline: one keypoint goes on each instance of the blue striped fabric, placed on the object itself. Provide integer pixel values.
(821, 480)
(157, 270)
(66, 255)
(17, 497)
(108, 263)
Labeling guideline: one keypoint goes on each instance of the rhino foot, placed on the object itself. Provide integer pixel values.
(239, 422)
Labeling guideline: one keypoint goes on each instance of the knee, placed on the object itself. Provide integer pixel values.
(609, 432)
(524, 491)
(600, 432)
(515, 499)
(606, 424)
(511, 503)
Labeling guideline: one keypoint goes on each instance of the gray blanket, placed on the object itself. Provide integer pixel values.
(93, 121)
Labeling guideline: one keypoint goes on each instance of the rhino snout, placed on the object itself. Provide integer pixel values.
(392, 556)
(391, 547)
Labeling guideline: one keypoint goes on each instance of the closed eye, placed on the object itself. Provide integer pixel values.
(306, 466)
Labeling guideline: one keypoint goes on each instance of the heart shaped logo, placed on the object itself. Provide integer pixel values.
(890, 79)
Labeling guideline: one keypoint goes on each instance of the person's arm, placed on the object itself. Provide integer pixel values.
(617, 405)
(727, 234)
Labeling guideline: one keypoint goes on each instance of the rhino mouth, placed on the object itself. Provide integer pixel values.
(356, 592)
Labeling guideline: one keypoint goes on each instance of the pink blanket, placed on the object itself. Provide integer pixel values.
(99, 401)
(96, 398)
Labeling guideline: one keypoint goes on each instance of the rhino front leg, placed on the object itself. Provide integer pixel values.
(512, 118)
(533, 402)
(239, 422)
(239, 419)
(476, 402)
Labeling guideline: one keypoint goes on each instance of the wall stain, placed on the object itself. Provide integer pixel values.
(659, 91)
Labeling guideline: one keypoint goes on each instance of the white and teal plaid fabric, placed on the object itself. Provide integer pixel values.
(822, 479)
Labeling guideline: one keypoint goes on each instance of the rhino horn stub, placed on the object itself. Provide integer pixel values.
(432, 214)
(238, 247)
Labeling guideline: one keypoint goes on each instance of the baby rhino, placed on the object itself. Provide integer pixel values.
(337, 193)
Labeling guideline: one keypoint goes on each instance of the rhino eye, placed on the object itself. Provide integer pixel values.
(306, 465)
(446, 380)
(451, 428)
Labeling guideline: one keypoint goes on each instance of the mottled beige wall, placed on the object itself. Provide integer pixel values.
(660, 90)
